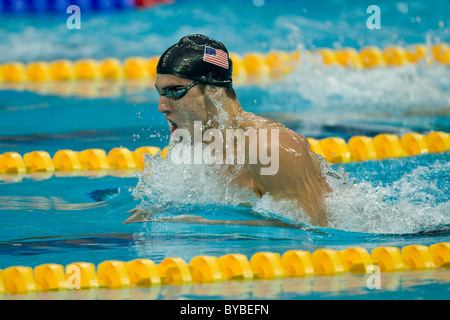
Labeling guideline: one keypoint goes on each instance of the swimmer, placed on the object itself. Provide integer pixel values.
(194, 80)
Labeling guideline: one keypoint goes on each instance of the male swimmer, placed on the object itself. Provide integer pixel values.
(194, 80)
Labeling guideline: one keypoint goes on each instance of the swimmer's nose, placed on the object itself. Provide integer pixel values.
(164, 105)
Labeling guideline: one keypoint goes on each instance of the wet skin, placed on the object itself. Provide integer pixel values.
(299, 177)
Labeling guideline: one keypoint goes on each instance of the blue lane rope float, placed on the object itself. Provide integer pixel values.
(60, 6)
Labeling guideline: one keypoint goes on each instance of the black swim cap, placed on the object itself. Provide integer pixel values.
(198, 58)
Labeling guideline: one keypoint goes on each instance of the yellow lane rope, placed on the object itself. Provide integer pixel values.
(114, 274)
(252, 63)
(333, 149)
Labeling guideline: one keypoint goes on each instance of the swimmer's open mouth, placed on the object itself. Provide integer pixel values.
(172, 126)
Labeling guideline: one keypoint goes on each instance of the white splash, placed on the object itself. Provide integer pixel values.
(408, 205)
(164, 184)
(413, 89)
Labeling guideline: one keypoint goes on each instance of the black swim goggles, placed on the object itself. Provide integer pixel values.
(175, 92)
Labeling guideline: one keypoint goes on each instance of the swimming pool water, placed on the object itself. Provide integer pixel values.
(68, 219)
(396, 202)
(241, 25)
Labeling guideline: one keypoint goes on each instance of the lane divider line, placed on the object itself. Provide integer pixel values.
(274, 63)
(333, 149)
(114, 274)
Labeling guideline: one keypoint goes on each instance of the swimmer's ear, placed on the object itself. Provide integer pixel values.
(214, 92)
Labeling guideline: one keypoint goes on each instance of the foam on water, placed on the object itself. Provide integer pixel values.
(406, 90)
(415, 202)
(410, 204)
(168, 187)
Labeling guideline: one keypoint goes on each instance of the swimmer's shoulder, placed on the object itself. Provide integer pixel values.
(251, 120)
(287, 138)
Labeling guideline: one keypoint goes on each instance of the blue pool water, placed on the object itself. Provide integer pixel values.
(395, 202)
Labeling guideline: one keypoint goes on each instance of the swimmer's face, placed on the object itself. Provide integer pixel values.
(181, 113)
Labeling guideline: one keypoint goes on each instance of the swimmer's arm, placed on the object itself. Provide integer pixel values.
(185, 218)
(299, 177)
(138, 215)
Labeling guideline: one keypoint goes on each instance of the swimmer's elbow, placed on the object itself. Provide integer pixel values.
(321, 220)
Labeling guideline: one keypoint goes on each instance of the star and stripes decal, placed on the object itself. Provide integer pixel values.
(216, 57)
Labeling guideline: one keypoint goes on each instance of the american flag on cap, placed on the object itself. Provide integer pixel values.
(216, 56)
